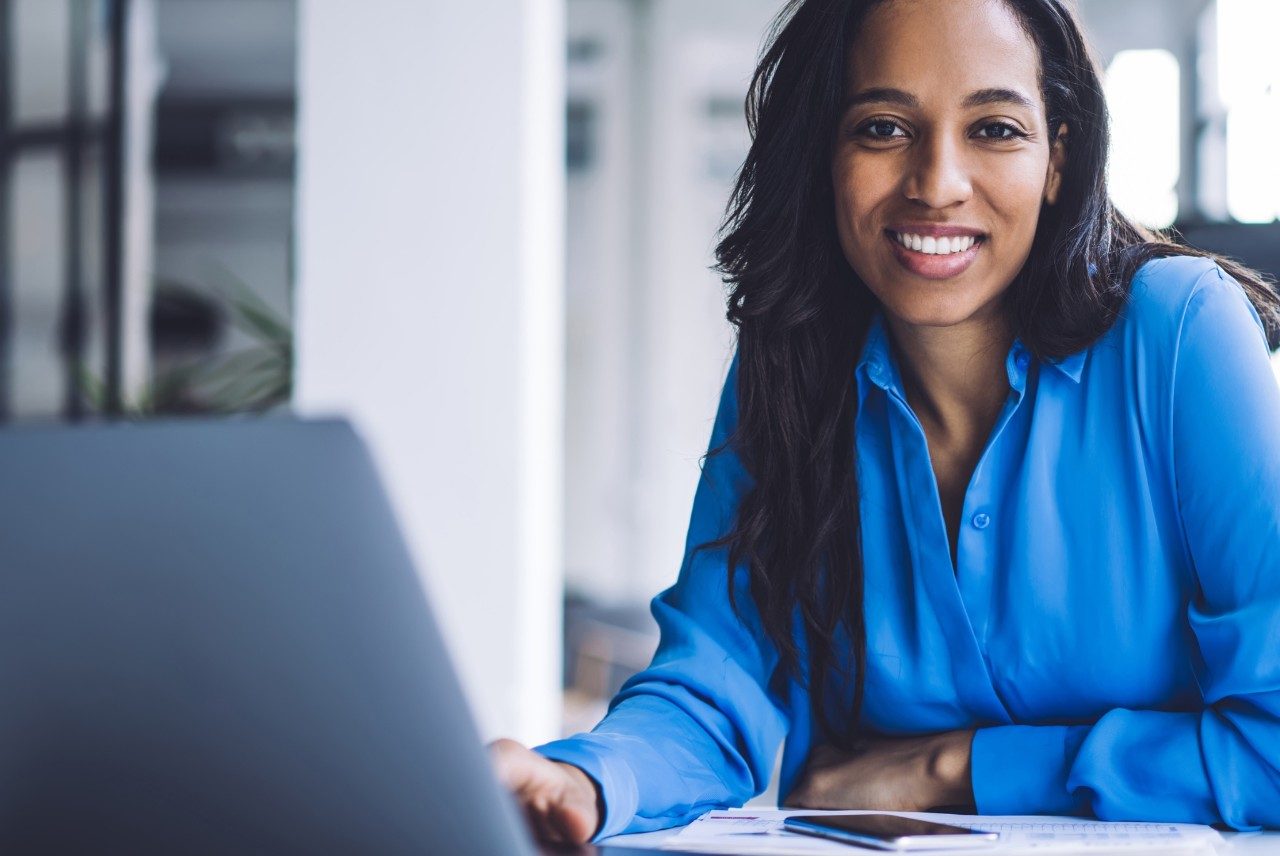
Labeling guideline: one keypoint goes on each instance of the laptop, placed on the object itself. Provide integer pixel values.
(213, 640)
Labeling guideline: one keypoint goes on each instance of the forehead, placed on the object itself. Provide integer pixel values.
(956, 46)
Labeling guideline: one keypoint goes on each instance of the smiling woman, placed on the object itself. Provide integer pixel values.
(991, 511)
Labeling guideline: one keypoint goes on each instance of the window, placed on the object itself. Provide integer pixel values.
(1142, 89)
(1248, 96)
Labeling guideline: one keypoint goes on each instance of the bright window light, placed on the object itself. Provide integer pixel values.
(1249, 88)
(1253, 178)
(1142, 88)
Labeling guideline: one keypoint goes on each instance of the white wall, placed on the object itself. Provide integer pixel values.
(430, 303)
(601, 293)
(698, 52)
(649, 344)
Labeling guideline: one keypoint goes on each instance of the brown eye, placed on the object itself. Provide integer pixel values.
(881, 129)
(1001, 131)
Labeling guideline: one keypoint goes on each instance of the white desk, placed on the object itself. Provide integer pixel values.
(1238, 843)
(1253, 843)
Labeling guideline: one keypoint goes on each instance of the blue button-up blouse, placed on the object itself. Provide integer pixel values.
(1111, 625)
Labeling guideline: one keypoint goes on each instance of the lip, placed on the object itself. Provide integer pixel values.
(933, 266)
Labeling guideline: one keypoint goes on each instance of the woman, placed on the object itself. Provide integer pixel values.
(997, 472)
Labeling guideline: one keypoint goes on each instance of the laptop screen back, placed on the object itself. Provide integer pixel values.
(212, 639)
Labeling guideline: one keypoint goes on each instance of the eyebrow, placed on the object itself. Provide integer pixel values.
(977, 98)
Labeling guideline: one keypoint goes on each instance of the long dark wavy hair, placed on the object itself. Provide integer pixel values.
(802, 313)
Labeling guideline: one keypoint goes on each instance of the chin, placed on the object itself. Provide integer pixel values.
(935, 311)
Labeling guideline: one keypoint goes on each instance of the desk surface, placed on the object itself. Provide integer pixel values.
(1239, 843)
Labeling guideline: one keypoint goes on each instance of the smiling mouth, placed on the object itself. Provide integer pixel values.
(935, 257)
(935, 246)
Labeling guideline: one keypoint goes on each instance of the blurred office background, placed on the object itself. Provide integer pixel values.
(484, 231)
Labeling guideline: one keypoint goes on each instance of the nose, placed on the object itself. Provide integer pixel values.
(937, 175)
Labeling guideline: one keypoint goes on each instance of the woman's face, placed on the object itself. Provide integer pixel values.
(943, 146)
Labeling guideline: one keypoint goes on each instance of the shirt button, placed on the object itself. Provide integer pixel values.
(981, 521)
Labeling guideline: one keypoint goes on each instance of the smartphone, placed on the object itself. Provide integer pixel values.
(889, 831)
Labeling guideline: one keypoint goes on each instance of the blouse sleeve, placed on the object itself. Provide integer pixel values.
(699, 728)
(1220, 764)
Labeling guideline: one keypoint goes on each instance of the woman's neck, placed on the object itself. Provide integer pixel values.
(954, 377)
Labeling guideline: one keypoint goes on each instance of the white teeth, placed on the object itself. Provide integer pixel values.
(936, 246)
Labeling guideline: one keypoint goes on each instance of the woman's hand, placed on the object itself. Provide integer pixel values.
(561, 803)
(890, 774)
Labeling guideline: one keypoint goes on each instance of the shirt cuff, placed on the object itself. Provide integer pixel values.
(614, 778)
(1022, 769)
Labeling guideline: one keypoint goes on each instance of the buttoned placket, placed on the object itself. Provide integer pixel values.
(980, 526)
(961, 592)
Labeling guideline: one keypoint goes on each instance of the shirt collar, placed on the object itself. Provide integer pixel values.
(1072, 365)
(876, 364)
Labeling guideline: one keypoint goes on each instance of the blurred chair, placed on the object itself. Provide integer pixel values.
(603, 647)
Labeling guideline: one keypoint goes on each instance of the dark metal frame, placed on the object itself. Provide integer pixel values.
(113, 215)
(73, 139)
(6, 111)
(72, 332)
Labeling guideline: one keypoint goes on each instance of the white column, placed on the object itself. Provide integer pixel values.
(144, 74)
(430, 307)
(698, 63)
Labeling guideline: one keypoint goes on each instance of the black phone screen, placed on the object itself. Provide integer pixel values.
(883, 826)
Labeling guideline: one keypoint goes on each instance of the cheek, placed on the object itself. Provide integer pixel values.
(861, 185)
(1016, 191)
